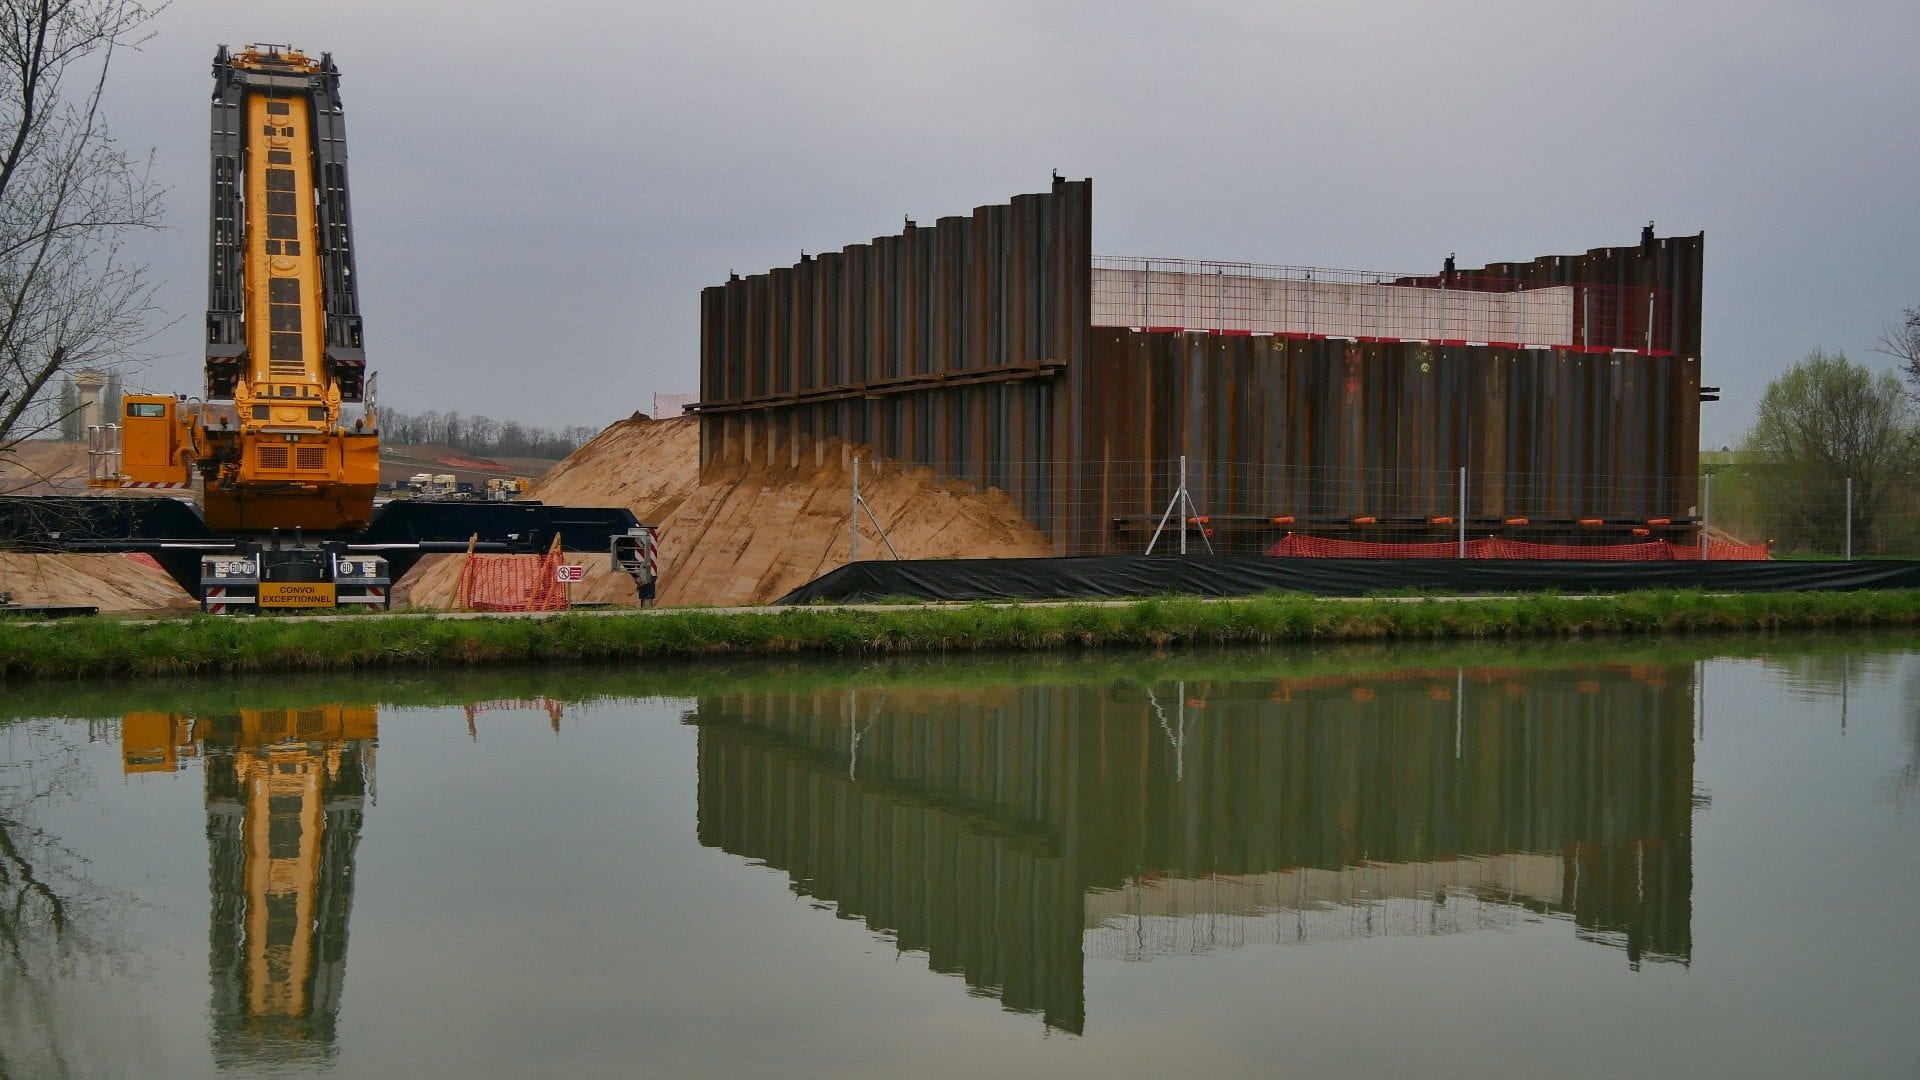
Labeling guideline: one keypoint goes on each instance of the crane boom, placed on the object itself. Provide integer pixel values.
(284, 340)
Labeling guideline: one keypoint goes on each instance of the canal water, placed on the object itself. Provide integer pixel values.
(1634, 858)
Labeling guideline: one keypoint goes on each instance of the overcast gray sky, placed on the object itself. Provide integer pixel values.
(541, 189)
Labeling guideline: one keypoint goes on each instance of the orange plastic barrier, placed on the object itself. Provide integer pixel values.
(1296, 546)
(512, 583)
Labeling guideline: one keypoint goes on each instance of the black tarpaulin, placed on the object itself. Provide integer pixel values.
(1110, 577)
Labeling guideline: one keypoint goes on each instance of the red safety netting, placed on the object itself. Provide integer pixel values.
(1295, 545)
(1719, 550)
(512, 583)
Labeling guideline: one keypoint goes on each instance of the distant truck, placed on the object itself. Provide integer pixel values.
(435, 486)
(506, 488)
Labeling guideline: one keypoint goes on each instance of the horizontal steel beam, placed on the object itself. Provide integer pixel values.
(910, 384)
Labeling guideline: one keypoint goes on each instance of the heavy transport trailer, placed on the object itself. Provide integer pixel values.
(245, 572)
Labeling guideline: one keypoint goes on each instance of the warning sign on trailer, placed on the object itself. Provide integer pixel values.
(296, 594)
(565, 572)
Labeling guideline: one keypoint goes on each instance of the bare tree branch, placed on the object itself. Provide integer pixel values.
(1902, 342)
(69, 195)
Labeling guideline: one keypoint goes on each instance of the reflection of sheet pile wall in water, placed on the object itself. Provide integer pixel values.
(1116, 935)
(1002, 831)
(950, 854)
(1148, 917)
(286, 792)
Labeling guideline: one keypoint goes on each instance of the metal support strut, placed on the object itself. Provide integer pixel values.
(1188, 515)
(853, 522)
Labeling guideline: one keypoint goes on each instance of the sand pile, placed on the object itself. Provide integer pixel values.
(44, 467)
(751, 533)
(108, 582)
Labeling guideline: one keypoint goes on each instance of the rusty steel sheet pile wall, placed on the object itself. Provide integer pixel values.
(970, 348)
(941, 345)
(1332, 435)
(1325, 432)
(1666, 270)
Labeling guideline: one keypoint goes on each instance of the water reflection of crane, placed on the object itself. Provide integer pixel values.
(286, 791)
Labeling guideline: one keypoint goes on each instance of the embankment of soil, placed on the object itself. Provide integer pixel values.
(747, 534)
(108, 582)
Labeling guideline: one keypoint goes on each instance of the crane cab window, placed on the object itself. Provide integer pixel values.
(279, 108)
(149, 410)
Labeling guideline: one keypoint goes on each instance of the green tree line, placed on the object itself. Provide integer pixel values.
(1831, 464)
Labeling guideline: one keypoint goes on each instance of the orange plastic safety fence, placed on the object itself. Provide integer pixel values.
(512, 583)
(1723, 549)
(1294, 545)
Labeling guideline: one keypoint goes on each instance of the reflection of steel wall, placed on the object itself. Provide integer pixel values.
(939, 344)
(947, 346)
(951, 855)
(975, 825)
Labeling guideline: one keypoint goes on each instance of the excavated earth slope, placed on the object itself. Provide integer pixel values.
(108, 582)
(750, 533)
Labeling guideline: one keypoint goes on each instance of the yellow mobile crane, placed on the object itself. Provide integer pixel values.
(286, 439)
(284, 355)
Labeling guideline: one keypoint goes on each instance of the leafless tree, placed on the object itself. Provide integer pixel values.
(1902, 342)
(481, 433)
(69, 198)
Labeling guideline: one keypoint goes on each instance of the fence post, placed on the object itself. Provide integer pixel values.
(853, 516)
(1706, 511)
(1849, 519)
(1463, 512)
(1181, 494)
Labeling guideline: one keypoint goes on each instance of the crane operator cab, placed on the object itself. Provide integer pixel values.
(149, 447)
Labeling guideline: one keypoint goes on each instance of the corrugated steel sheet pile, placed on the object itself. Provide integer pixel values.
(995, 349)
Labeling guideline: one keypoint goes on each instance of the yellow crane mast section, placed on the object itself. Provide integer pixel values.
(281, 457)
(282, 276)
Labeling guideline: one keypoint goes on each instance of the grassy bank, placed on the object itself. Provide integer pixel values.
(216, 646)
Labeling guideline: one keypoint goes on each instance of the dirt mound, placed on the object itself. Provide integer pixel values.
(108, 582)
(749, 534)
(44, 467)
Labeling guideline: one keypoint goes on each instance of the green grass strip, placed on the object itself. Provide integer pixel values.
(205, 645)
(208, 695)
